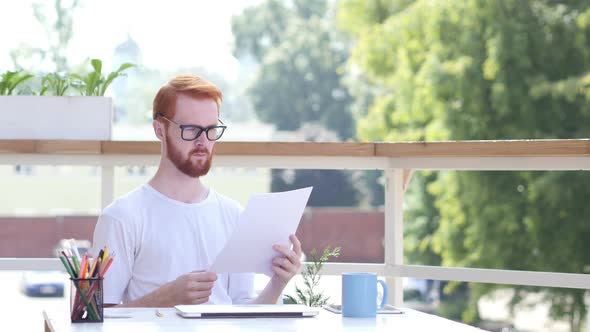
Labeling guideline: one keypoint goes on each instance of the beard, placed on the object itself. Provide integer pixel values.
(185, 164)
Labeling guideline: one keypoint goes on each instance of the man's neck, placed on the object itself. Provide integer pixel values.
(176, 185)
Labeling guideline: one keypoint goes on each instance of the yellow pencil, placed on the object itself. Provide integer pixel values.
(105, 254)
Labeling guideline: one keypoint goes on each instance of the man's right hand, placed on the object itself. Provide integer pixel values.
(190, 288)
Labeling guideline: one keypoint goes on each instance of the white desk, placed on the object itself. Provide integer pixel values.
(145, 319)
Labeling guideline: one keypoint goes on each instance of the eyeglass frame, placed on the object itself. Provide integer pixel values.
(201, 129)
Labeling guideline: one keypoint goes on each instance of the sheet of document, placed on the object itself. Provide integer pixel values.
(266, 220)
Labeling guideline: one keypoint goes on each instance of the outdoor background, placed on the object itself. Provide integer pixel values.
(333, 71)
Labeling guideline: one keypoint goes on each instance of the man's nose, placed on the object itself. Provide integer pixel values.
(202, 139)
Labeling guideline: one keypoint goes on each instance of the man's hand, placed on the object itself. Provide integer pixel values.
(190, 288)
(288, 265)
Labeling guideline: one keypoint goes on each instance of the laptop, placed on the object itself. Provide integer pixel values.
(245, 310)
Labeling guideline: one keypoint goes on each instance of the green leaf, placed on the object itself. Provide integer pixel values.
(288, 299)
(114, 75)
(92, 83)
(11, 80)
(97, 65)
(124, 67)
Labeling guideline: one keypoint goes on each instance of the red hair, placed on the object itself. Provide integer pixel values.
(188, 85)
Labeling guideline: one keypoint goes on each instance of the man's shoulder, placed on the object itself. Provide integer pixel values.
(126, 205)
(226, 202)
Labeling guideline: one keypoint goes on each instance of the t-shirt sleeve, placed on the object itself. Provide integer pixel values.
(119, 239)
(241, 287)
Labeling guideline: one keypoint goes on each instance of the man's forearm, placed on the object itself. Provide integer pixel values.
(271, 292)
(156, 298)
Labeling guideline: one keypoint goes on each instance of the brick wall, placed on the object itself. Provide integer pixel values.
(37, 236)
(359, 233)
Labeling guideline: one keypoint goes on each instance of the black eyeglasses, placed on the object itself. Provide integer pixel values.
(192, 132)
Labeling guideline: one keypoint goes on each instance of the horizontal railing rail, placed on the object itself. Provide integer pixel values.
(518, 148)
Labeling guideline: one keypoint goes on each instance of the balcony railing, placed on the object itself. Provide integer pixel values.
(397, 160)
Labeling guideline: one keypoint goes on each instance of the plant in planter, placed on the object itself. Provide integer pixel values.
(53, 113)
(94, 83)
(91, 84)
(309, 294)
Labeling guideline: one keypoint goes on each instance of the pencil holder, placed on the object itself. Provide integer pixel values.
(86, 301)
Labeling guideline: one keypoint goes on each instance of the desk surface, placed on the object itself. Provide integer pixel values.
(145, 319)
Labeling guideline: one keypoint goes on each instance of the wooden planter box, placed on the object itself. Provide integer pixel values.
(40, 117)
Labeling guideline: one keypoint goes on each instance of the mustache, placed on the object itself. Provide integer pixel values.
(200, 150)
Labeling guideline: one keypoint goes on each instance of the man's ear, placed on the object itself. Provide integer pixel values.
(158, 129)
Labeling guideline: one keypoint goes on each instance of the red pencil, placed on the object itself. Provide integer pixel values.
(106, 267)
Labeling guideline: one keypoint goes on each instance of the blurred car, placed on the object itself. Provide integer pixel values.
(50, 283)
(43, 283)
(422, 294)
(64, 245)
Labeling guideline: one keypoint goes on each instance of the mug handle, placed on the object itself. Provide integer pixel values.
(384, 300)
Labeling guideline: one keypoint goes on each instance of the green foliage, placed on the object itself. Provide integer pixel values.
(56, 84)
(299, 85)
(456, 304)
(324, 194)
(330, 187)
(94, 83)
(462, 70)
(309, 294)
(11, 80)
(302, 58)
(57, 21)
(422, 221)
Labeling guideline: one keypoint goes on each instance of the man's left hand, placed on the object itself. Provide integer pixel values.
(288, 265)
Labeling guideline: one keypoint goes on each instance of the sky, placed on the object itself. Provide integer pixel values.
(170, 34)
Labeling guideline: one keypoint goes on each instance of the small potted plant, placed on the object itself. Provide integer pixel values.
(309, 293)
(67, 106)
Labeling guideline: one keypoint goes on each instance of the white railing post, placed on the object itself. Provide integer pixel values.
(394, 233)
(107, 185)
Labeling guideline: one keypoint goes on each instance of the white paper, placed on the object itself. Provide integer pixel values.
(267, 219)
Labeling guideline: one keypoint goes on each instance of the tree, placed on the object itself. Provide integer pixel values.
(299, 83)
(330, 187)
(476, 69)
(59, 33)
(301, 61)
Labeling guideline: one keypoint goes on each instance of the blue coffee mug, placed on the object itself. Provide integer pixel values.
(359, 294)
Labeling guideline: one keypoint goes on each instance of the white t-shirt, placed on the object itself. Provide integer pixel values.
(155, 239)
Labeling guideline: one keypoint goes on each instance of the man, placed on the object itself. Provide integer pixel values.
(166, 233)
